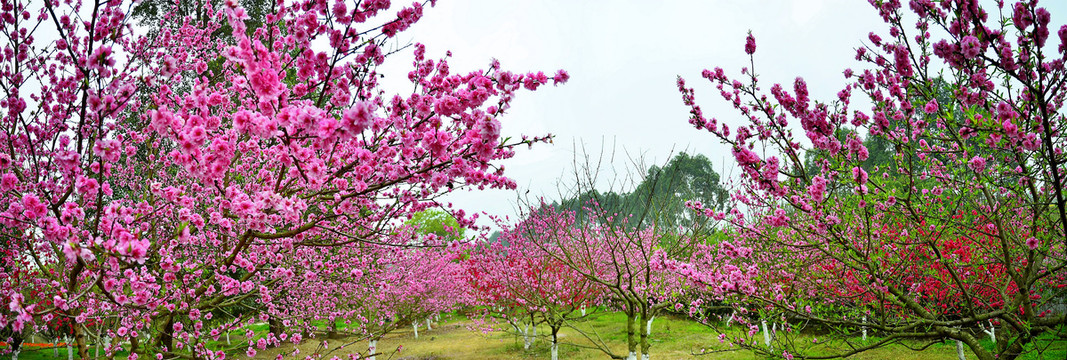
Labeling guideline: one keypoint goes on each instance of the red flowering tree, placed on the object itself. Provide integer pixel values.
(629, 260)
(963, 226)
(519, 281)
(174, 173)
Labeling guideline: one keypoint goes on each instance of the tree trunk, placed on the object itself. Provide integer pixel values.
(729, 319)
(992, 332)
(70, 349)
(415, 326)
(959, 351)
(555, 344)
(331, 328)
(646, 322)
(525, 337)
(766, 334)
(864, 329)
(16, 344)
(275, 326)
(428, 327)
(583, 310)
(166, 335)
(134, 343)
(372, 349)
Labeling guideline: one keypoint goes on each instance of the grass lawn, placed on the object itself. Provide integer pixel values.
(672, 338)
(455, 337)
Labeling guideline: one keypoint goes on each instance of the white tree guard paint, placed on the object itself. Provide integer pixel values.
(632, 356)
(959, 351)
(766, 334)
(645, 357)
(15, 354)
(228, 337)
(730, 319)
(415, 325)
(428, 328)
(864, 329)
(526, 341)
(70, 350)
(555, 349)
(583, 310)
(648, 326)
(372, 348)
(992, 332)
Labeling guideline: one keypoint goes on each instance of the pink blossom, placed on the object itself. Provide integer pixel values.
(750, 44)
(33, 206)
(358, 118)
(8, 182)
(561, 77)
(265, 83)
(931, 106)
(1033, 243)
(859, 175)
(970, 47)
(977, 164)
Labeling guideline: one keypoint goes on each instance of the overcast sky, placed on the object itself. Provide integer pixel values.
(624, 58)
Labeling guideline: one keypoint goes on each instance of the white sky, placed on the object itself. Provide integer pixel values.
(623, 58)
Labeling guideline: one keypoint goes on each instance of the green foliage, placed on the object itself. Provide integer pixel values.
(438, 222)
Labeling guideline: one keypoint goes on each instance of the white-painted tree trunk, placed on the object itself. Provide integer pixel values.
(555, 348)
(525, 337)
(415, 325)
(864, 329)
(372, 348)
(730, 319)
(645, 357)
(648, 326)
(428, 327)
(228, 337)
(70, 350)
(55, 349)
(15, 354)
(959, 351)
(992, 332)
(766, 334)
(583, 310)
(631, 356)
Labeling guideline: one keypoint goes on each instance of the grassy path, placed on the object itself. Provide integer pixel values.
(671, 339)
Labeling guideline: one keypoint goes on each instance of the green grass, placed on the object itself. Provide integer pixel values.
(672, 338)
